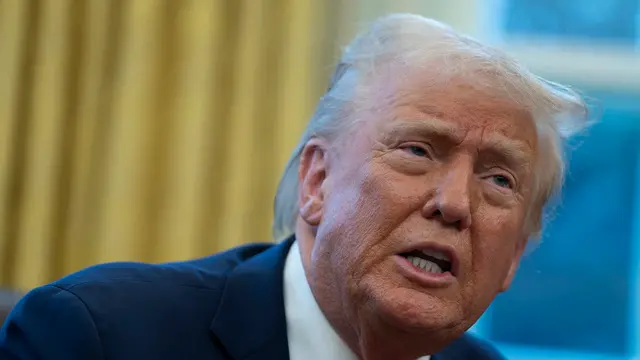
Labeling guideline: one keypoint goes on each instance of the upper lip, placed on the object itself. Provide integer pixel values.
(445, 249)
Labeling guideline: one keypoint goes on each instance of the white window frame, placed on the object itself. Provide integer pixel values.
(602, 67)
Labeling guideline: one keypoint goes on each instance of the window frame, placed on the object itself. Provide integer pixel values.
(609, 67)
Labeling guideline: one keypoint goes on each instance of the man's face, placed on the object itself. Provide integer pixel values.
(418, 216)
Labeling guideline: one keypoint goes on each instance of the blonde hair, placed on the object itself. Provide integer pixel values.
(416, 41)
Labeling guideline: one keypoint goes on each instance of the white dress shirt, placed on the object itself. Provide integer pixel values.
(310, 335)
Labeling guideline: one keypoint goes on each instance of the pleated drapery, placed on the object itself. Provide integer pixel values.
(148, 130)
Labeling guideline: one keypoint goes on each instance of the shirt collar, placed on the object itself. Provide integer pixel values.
(310, 335)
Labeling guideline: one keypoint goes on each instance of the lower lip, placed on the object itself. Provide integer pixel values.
(427, 279)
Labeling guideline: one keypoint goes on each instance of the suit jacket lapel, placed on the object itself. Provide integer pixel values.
(250, 321)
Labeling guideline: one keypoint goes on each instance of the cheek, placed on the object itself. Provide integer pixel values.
(394, 195)
(490, 267)
(385, 200)
(494, 237)
(364, 207)
(494, 249)
(346, 229)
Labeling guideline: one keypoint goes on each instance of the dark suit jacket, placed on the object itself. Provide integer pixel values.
(8, 299)
(226, 306)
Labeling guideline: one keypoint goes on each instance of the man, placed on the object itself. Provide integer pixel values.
(404, 211)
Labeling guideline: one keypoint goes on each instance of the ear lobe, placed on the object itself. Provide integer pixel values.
(311, 177)
(515, 263)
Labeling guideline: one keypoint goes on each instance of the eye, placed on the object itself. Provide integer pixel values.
(417, 150)
(502, 181)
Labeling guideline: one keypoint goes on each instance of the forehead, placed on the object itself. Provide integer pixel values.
(456, 108)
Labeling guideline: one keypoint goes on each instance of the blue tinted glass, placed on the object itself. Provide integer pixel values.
(613, 20)
(573, 291)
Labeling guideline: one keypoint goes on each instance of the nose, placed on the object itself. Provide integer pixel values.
(452, 203)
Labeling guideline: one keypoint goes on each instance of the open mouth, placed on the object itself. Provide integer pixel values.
(430, 261)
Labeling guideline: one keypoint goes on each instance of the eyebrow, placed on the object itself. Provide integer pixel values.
(431, 128)
(514, 153)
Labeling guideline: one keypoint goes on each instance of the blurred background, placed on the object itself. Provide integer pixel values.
(156, 130)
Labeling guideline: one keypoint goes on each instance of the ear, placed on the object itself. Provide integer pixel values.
(515, 263)
(311, 177)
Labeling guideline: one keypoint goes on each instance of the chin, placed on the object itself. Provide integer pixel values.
(414, 311)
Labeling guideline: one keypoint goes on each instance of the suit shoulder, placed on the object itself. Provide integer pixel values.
(204, 273)
(98, 312)
(475, 348)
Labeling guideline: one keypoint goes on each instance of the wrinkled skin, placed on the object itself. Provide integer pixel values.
(446, 164)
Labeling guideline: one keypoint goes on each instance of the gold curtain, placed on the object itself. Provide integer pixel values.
(148, 130)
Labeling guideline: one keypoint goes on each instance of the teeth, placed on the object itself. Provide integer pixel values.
(436, 254)
(425, 265)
